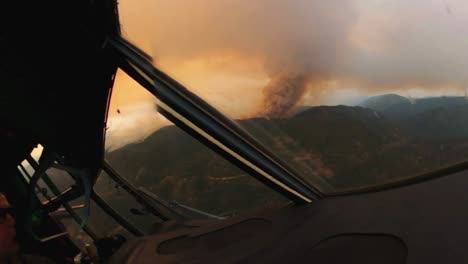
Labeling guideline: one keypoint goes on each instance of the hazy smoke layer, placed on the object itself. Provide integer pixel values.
(372, 45)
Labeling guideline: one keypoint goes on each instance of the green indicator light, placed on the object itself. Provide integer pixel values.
(36, 218)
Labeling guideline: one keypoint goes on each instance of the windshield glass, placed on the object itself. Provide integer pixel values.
(349, 93)
(168, 166)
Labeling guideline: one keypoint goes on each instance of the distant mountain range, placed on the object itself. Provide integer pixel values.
(436, 118)
(334, 148)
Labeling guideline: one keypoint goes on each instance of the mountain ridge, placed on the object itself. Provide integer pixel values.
(332, 147)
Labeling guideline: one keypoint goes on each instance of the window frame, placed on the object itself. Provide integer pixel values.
(196, 117)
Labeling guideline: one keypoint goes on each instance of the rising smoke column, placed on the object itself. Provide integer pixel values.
(282, 94)
(311, 45)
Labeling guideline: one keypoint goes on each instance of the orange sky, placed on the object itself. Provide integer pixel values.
(228, 51)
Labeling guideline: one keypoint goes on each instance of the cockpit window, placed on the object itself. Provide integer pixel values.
(170, 167)
(125, 204)
(349, 94)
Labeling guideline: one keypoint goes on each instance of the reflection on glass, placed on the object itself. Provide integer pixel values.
(61, 178)
(125, 204)
(174, 166)
(100, 222)
(79, 237)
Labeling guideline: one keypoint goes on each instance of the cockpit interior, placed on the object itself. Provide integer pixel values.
(93, 180)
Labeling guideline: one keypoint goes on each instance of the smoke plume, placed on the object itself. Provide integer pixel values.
(374, 46)
(282, 94)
